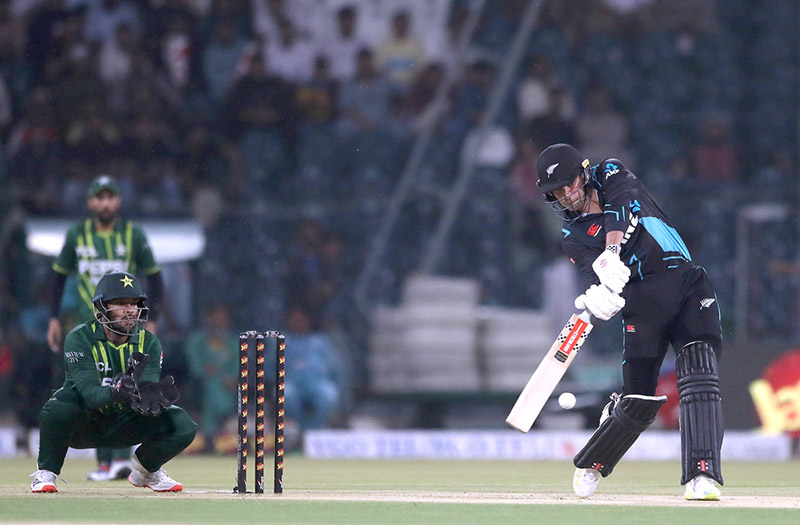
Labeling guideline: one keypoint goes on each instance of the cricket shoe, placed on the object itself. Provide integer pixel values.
(702, 488)
(43, 481)
(101, 474)
(158, 481)
(584, 481)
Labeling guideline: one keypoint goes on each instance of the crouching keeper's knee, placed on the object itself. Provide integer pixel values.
(625, 420)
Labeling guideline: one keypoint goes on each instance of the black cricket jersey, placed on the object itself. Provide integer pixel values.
(650, 247)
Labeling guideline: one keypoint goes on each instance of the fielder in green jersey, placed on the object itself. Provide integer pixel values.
(100, 244)
(113, 395)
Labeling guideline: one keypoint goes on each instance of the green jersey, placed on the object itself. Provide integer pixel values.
(91, 361)
(91, 255)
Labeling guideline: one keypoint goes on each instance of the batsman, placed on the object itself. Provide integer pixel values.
(616, 233)
(113, 393)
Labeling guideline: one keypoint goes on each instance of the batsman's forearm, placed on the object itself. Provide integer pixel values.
(614, 238)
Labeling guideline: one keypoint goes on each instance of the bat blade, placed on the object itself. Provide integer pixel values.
(549, 372)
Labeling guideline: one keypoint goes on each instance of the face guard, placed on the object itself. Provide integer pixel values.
(567, 207)
(120, 285)
(102, 312)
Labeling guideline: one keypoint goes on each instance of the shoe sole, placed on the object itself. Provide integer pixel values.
(47, 488)
(176, 488)
(707, 497)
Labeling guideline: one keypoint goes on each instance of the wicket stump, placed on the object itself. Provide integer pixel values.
(245, 370)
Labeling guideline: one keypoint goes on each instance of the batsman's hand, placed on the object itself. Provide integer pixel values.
(611, 271)
(155, 396)
(123, 388)
(600, 301)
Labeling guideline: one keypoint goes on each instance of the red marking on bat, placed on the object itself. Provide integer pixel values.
(574, 336)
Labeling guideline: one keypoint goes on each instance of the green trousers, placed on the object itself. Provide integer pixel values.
(65, 422)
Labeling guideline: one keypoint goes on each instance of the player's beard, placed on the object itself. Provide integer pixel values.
(106, 218)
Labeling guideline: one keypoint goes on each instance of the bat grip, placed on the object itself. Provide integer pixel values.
(585, 316)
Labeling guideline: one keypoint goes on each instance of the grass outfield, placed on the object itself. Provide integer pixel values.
(440, 492)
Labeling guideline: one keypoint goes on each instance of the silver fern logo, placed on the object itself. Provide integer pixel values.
(706, 303)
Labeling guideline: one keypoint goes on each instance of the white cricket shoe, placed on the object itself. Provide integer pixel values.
(584, 481)
(43, 481)
(101, 474)
(702, 488)
(158, 481)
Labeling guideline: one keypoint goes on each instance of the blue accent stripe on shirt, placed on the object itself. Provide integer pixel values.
(665, 236)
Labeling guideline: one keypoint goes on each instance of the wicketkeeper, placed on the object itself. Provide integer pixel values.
(618, 235)
(113, 393)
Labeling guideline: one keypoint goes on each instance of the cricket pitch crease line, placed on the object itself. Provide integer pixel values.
(487, 498)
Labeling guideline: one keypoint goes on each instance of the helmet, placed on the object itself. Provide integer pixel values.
(558, 166)
(119, 285)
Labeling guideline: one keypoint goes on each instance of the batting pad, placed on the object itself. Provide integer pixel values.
(701, 412)
(616, 434)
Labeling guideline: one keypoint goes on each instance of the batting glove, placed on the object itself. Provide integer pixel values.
(611, 271)
(600, 301)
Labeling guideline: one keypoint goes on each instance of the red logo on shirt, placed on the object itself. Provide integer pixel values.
(631, 328)
(593, 229)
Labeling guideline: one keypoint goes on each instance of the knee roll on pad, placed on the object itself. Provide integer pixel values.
(701, 411)
(615, 435)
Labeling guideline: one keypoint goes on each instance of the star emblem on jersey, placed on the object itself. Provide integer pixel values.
(706, 303)
(551, 168)
(120, 250)
(126, 281)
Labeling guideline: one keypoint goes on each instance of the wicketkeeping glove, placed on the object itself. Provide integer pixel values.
(611, 271)
(600, 301)
(155, 396)
(123, 388)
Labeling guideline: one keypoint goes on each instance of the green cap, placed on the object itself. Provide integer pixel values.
(103, 182)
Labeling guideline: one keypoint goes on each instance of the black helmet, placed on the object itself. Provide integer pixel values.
(119, 285)
(558, 166)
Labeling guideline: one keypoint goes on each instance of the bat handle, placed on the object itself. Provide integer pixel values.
(585, 316)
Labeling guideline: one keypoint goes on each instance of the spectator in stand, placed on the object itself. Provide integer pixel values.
(535, 90)
(91, 137)
(401, 55)
(602, 129)
(314, 372)
(212, 352)
(313, 263)
(289, 55)
(34, 147)
(422, 96)
(364, 100)
(555, 125)
(316, 98)
(115, 61)
(714, 154)
(258, 101)
(221, 57)
(12, 35)
(342, 47)
(103, 17)
(43, 32)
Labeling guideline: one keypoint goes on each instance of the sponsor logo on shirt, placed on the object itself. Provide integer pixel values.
(594, 229)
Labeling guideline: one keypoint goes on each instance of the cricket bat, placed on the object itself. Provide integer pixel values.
(549, 372)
